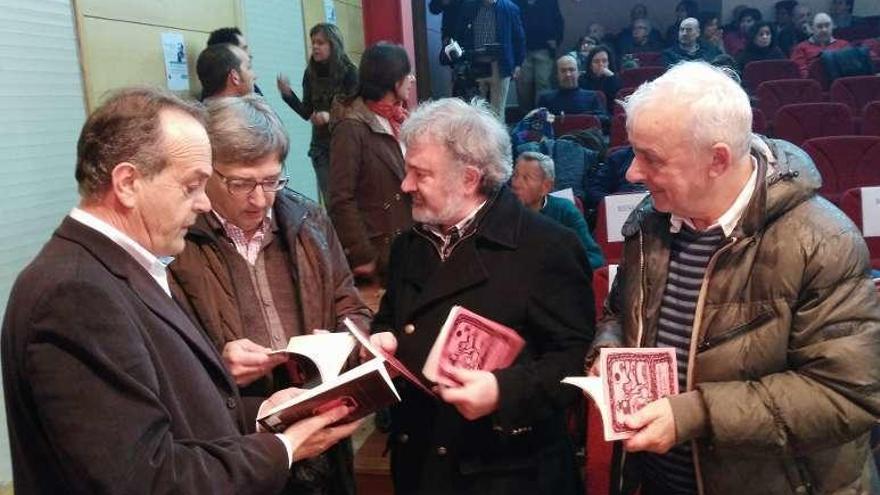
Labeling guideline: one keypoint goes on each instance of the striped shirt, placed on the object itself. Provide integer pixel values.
(691, 251)
(484, 25)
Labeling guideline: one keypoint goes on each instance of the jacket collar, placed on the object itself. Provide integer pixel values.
(122, 265)
(288, 213)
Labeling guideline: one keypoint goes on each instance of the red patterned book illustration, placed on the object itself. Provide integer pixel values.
(468, 340)
(365, 388)
(629, 379)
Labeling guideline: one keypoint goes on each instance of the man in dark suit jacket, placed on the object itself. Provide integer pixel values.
(475, 245)
(110, 387)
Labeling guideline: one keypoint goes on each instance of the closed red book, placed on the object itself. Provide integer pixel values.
(468, 340)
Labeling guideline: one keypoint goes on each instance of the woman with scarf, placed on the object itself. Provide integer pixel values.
(366, 162)
(330, 73)
(760, 45)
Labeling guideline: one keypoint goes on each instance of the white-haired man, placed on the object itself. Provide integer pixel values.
(761, 287)
(477, 246)
(689, 47)
(805, 52)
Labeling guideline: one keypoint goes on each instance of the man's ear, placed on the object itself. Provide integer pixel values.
(722, 160)
(125, 183)
(472, 178)
(233, 79)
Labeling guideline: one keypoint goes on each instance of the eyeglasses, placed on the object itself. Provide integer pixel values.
(243, 187)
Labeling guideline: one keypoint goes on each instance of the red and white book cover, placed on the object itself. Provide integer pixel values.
(629, 379)
(468, 340)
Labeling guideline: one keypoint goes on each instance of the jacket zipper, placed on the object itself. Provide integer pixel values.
(762, 318)
(641, 317)
(695, 330)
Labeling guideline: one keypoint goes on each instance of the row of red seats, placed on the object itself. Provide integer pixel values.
(846, 163)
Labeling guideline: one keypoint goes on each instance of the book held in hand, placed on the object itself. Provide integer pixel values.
(468, 340)
(364, 388)
(629, 379)
(317, 357)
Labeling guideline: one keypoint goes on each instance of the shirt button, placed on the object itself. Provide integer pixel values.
(409, 329)
(441, 450)
(231, 403)
(397, 197)
(403, 438)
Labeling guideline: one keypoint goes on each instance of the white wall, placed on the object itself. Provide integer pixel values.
(275, 34)
(43, 108)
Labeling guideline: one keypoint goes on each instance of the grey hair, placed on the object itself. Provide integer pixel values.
(544, 161)
(470, 132)
(691, 20)
(714, 106)
(245, 130)
(568, 57)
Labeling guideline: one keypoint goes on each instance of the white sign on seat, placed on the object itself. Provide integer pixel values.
(871, 211)
(617, 209)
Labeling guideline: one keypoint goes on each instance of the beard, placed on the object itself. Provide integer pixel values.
(445, 214)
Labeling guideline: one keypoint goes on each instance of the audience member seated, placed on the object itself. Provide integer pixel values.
(598, 76)
(788, 32)
(225, 69)
(684, 9)
(688, 48)
(598, 33)
(873, 46)
(569, 98)
(639, 11)
(736, 40)
(805, 52)
(610, 178)
(638, 39)
(582, 50)
(841, 13)
(532, 182)
(712, 33)
(761, 45)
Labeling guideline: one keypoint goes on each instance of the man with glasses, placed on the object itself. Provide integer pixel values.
(263, 266)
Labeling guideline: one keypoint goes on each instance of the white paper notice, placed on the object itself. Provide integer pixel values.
(871, 211)
(612, 274)
(617, 209)
(567, 193)
(176, 73)
(329, 12)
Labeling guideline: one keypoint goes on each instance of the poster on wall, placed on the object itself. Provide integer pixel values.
(176, 73)
(329, 12)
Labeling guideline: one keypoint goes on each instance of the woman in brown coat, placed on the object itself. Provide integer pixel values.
(366, 162)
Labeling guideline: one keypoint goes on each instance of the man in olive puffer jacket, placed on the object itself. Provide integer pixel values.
(763, 289)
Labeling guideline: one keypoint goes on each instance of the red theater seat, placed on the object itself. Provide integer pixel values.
(649, 59)
(856, 92)
(757, 72)
(618, 131)
(802, 121)
(871, 119)
(773, 95)
(632, 78)
(845, 162)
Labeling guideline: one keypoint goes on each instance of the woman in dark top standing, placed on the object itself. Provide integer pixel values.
(760, 45)
(598, 75)
(330, 73)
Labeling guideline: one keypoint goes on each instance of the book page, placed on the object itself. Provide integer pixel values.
(328, 351)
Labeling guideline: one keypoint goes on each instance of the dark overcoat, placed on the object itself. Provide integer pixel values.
(110, 388)
(523, 271)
